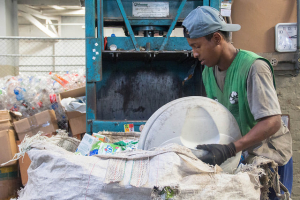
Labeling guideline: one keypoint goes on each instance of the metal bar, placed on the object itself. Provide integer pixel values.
(93, 60)
(52, 26)
(102, 25)
(128, 26)
(93, 63)
(100, 21)
(53, 58)
(91, 106)
(38, 24)
(172, 25)
(93, 45)
(117, 126)
(35, 13)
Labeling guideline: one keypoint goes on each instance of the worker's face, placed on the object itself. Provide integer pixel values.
(207, 52)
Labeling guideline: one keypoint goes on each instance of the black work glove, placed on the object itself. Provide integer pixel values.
(217, 153)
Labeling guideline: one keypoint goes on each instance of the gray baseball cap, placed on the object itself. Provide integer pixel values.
(205, 20)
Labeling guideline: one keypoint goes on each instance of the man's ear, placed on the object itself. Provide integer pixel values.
(217, 38)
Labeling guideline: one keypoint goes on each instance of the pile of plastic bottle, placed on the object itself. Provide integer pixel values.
(31, 94)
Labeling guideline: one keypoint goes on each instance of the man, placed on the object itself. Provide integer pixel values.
(244, 83)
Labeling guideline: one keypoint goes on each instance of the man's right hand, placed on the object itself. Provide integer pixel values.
(217, 153)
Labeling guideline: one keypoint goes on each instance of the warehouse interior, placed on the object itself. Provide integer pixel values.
(88, 50)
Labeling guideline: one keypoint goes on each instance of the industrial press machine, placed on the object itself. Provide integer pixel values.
(129, 78)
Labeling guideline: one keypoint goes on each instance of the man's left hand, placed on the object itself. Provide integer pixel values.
(217, 153)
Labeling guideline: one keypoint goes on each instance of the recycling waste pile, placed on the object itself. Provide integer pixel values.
(70, 164)
(63, 167)
(29, 104)
(33, 94)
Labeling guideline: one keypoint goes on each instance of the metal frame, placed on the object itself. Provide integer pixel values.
(30, 14)
(128, 26)
(172, 25)
(96, 44)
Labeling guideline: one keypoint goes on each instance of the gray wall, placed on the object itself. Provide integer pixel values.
(8, 27)
(67, 31)
(70, 31)
(288, 92)
(8, 16)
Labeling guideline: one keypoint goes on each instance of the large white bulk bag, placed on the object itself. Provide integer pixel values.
(58, 174)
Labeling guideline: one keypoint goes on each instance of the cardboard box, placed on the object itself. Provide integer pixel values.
(24, 164)
(77, 120)
(6, 119)
(44, 121)
(9, 188)
(10, 182)
(8, 147)
(10, 172)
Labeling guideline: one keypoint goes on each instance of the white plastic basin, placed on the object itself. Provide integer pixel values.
(190, 121)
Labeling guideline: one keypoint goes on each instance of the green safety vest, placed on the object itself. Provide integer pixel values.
(234, 95)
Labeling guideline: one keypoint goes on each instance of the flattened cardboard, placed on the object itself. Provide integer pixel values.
(24, 165)
(78, 125)
(10, 172)
(44, 121)
(6, 119)
(9, 188)
(8, 147)
(4, 125)
(79, 92)
(77, 120)
(5, 115)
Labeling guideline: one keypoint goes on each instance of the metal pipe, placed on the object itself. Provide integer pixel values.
(298, 37)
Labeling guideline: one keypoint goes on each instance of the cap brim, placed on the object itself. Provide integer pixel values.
(231, 27)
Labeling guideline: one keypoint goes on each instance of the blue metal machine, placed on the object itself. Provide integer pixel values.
(129, 84)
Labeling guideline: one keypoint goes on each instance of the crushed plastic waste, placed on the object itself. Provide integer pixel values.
(74, 104)
(102, 148)
(100, 137)
(127, 144)
(31, 94)
(98, 144)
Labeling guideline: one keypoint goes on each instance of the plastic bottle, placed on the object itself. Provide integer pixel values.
(60, 80)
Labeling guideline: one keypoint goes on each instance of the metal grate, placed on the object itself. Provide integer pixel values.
(19, 55)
